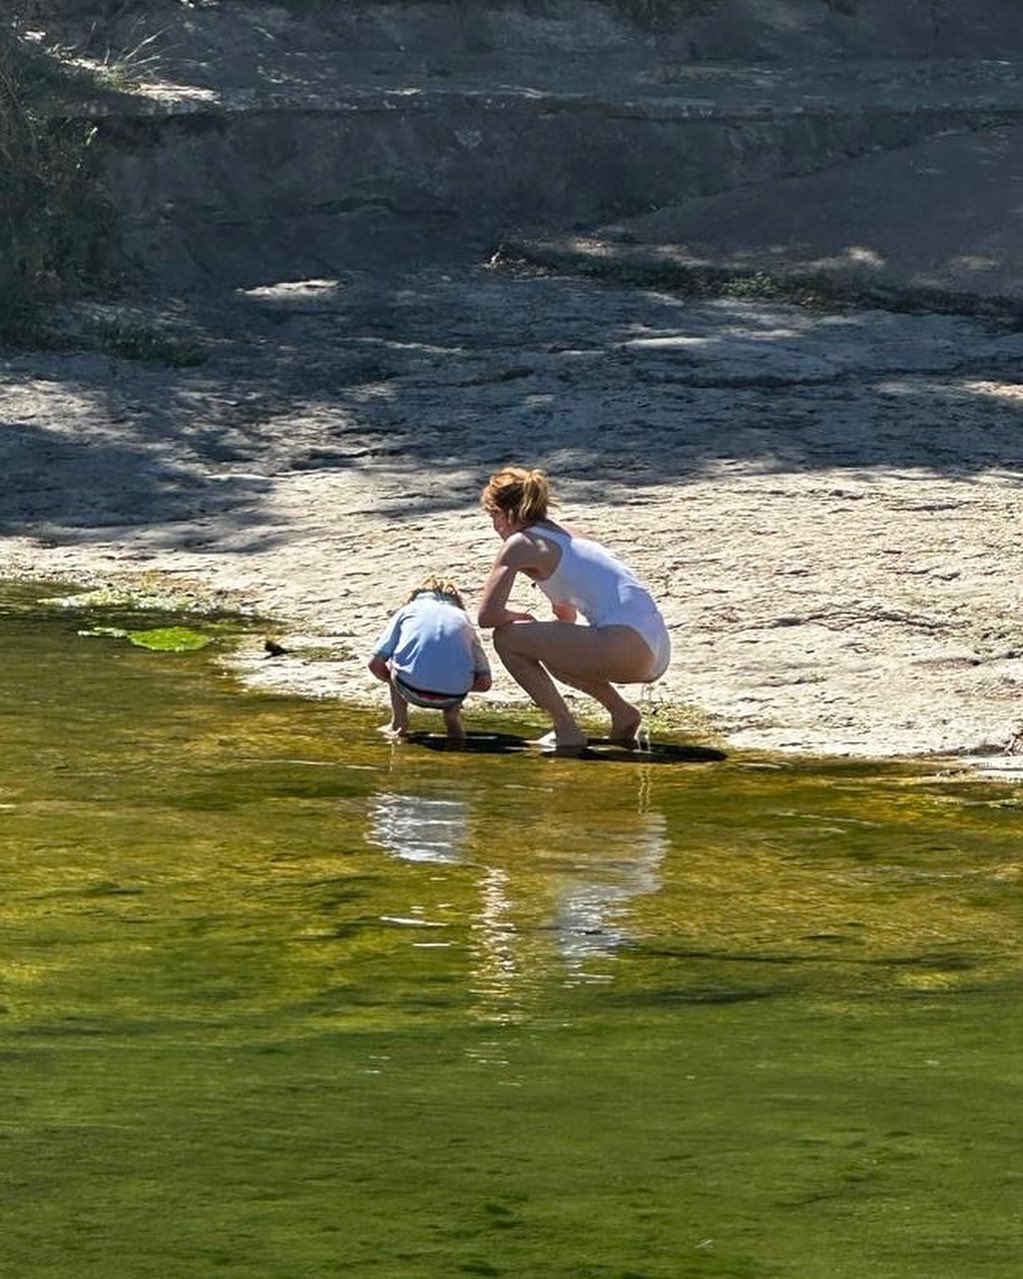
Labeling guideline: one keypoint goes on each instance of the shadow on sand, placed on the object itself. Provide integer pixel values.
(599, 748)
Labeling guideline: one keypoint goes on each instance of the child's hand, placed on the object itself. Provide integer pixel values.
(564, 611)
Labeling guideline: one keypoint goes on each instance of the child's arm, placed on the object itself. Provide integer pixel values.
(481, 681)
(379, 667)
(384, 648)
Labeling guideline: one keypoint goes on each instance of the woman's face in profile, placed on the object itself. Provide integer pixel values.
(503, 524)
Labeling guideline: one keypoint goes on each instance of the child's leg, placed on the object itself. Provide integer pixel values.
(398, 726)
(453, 723)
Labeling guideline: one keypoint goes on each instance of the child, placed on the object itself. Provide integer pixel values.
(430, 655)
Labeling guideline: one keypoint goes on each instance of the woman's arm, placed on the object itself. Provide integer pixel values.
(494, 610)
(516, 555)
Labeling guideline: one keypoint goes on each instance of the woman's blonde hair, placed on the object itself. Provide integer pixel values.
(438, 586)
(524, 495)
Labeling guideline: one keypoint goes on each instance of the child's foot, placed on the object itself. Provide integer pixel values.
(393, 730)
(453, 726)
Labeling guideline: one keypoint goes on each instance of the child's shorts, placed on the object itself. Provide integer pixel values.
(427, 700)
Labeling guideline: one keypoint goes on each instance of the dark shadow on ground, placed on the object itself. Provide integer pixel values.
(430, 379)
(635, 386)
(116, 484)
(599, 748)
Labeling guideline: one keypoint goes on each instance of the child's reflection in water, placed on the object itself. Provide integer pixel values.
(418, 829)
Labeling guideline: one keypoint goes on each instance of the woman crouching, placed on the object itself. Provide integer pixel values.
(626, 640)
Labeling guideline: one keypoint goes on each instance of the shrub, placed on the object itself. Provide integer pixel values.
(55, 223)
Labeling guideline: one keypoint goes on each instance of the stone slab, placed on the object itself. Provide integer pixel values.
(936, 223)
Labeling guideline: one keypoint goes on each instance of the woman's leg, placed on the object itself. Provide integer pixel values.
(529, 674)
(625, 718)
(586, 658)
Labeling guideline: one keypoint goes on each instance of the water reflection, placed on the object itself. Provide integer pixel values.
(210, 974)
(592, 918)
(549, 880)
(417, 828)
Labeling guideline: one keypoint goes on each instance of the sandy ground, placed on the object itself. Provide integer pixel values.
(826, 503)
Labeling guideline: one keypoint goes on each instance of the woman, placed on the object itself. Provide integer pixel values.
(626, 640)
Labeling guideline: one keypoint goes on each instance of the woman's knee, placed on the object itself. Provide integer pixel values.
(505, 640)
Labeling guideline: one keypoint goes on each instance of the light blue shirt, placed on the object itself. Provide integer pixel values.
(432, 645)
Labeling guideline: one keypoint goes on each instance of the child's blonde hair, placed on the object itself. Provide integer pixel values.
(442, 586)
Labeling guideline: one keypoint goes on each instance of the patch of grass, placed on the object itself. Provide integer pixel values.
(679, 278)
(134, 340)
(123, 70)
(758, 284)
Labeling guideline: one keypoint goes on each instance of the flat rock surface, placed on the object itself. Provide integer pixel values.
(937, 223)
(826, 503)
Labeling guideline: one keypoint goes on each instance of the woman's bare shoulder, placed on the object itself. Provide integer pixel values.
(569, 530)
(522, 549)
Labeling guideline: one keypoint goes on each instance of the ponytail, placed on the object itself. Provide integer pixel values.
(523, 495)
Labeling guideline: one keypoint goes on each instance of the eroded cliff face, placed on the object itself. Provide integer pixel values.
(268, 143)
(719, 29)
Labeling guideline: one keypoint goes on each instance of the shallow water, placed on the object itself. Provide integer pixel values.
(282, 999)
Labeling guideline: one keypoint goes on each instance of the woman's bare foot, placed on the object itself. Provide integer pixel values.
(625, 732)
(553, 744)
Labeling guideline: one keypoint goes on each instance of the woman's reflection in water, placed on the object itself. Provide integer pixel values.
(555, 870)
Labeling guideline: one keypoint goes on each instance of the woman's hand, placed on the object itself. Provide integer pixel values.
(518, 555)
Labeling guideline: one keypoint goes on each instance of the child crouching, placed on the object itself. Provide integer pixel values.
(430, 655)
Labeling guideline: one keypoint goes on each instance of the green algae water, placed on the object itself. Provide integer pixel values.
(279, 999)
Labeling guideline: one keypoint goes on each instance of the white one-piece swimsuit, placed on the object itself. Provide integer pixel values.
(606, 592)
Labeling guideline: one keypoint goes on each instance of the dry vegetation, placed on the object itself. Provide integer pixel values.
(57, 228)
(55, 223)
